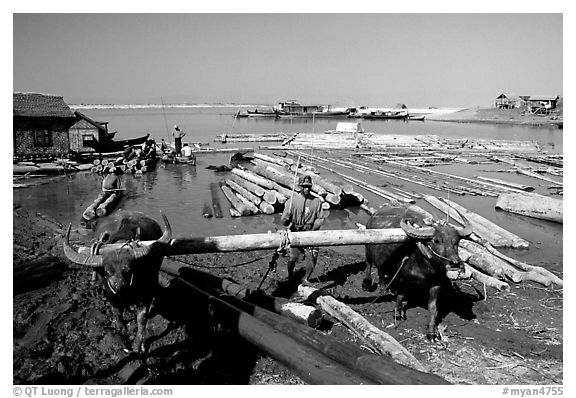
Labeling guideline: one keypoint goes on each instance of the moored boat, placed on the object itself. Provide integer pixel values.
(116, 146)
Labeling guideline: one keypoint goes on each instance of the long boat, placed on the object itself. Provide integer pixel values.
(294, 110)
(260, 113)
(115, 146)
(386, 115)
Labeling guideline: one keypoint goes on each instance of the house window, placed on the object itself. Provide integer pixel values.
(87, 139)
(42, 138)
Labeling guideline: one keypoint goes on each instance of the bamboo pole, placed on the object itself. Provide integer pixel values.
(382, 342)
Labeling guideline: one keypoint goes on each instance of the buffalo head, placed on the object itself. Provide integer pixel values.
(438, 241)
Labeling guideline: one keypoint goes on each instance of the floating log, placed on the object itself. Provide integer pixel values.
(207, 210)
(266, 207)
(507, 183)
(532, 205)
(106, 206)
(244, 192)
(251, 206)
(277, 176)
(497, 236)
(216, 208)
(310, 365)
(538, 176)
(375, 338)
(263, 182)
(238, 205)
(248, 185)
(274, 159)
(90, 212)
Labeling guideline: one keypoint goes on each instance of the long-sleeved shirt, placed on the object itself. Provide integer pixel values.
(304, 214)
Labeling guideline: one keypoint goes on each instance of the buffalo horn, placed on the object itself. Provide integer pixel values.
(75, 257)
(417, 233)
(163, 240)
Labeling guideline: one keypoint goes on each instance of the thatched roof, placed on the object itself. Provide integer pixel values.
(40, 105)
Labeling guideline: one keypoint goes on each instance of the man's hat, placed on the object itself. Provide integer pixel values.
(176, 127)
(306, 181)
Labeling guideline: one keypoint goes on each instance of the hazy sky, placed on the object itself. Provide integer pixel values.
(443, 60)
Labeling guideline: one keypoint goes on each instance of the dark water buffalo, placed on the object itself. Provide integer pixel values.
(417, 266)
(129, 274)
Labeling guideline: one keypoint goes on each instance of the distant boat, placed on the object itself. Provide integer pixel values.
(261, 113)
(292, 109)
(115, 146)
(419, 118)
(386, 115)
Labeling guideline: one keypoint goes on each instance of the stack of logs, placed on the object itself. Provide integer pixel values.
(134, 166)
(273, 180)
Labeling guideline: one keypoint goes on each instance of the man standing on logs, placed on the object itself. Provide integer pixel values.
(178, 134)
(303, 213)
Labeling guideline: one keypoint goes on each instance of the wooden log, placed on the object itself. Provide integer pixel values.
(266, 207)
(216, 208)
(90, 212)
(519, 264)
(277, 177)
(506, 183)
(251, 206)
(263, 182)
(207, 210)
(376, 367)
(248, 185)
(302, 313)
(532, 205)
(310, 365)
(487, 279)
(274, 159)
(244, 192)
(380, 341)
(273, 240)
(236, 203)
(37, 273)
(327, 185)
(497, 236)
(538, 176)
(106, 206)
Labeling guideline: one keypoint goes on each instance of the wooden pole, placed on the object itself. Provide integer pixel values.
(377, 339)
(273, 240)
(532, 205)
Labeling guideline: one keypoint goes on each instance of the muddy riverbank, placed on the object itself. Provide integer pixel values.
(63, 331)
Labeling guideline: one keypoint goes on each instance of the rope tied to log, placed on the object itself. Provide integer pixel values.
(283, 248)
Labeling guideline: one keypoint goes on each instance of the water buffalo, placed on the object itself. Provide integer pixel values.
(129, 274)
(417, 266)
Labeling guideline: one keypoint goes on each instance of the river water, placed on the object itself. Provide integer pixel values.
(181, 191)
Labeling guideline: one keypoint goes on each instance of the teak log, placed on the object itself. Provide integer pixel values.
(310, 365)
(377, 339)
(305, 314)
(106, 206)
(497, 236)
(235, 202)
(244, 192)
(216, 208)
(263, 182)
(532, 205)
(248, 185)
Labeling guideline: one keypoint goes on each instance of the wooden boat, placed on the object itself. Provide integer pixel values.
(386, 115)
(261, 113)
(116, 146)
(418, 118)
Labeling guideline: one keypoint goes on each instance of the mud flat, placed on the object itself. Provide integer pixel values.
(63, 333)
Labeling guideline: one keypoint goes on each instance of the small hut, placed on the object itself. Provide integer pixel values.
(508, 101)
(40, 125)
(86, 131)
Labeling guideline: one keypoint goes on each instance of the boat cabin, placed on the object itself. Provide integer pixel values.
(294, 108)
(41, 124)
